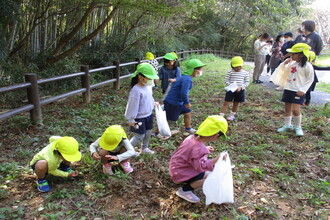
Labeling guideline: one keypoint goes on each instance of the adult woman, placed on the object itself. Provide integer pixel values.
(275, 58)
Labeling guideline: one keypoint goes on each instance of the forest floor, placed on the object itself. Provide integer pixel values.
(276, 176)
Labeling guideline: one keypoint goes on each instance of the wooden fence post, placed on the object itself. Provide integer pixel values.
(190, 51)
(138, 60)
(182, 54)
(85, 82)
(116, 85)
(34, 98)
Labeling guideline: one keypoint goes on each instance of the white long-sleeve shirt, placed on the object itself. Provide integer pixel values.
(299, 78)
(242, 78)
(140, 103)
(124, 143)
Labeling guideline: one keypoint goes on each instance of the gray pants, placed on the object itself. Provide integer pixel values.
(144, 138)
(259, 64)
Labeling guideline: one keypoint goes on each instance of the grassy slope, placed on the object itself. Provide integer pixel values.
(276, 176)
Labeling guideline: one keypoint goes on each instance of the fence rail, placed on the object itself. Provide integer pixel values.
(32, 83)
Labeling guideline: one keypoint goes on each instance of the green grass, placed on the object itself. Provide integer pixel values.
(278, 167)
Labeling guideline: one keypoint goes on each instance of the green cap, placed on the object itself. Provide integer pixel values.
(147, 70)
(300, 47)
(191, 65)
(169, 56)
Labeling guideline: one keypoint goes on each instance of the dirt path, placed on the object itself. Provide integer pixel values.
(318, 97)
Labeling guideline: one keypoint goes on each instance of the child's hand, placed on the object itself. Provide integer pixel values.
(171, 80)
(131, 124)
(73, 174)
(211, 149)
(111, 157)
(239, 89)
(156, 104)
(96, 156)
(224, 156)
(300, 93)
(287, 61)
(188, 105)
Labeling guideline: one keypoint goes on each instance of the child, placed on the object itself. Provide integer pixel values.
(189, 164)
(113, 146)
(177, 100)
(140, 105)
(241, 77)
(151, 59)
(169, 72)
(55, 159)
(299, 76)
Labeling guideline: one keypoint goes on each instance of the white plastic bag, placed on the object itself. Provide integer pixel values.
(232, 87)
(280, 75)
(162, 123)
(167, 90)
(218, 185)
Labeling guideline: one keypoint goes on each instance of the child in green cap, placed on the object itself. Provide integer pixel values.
(189, 164)
(177, 100)
(55, 159)
(140, 105)
(169, 72)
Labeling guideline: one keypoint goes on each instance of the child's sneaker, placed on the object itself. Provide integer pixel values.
(158, 135)
(147, 151)
(174, 132)
(65, 168)
(107, 169)
(284, 129)
(190, 130)
(126, 167)
(43, 185)
(231, 117)
(187, 195)
(299, 131)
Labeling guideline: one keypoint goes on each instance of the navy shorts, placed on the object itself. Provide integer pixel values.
(195, 178)
(292, 97)
(236, 96)
(174, 111)
(146, 125)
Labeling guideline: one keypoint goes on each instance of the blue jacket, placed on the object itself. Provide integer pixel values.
(165, 74)
(179, 92)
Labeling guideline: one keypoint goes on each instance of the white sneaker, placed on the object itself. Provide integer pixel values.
(191, 131)
(147, 151)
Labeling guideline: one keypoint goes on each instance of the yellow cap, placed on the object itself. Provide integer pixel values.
(300, 47)
(149, 56)
(176, 56)
(311, 56)
(212, 125)
(69, 148)
(237, 61)
(112, 136)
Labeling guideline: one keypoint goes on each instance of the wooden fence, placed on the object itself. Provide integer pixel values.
(35, 103)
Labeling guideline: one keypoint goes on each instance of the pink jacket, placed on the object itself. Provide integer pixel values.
(189, 160)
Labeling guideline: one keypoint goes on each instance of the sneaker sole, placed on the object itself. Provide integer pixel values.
(185, 198)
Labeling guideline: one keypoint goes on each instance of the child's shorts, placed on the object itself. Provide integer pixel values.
(174, 111)
(195, 178)
(292, 97)
(146, 125)
(236, 96)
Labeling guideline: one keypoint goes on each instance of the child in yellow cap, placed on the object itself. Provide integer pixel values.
(241, 78)
(189, 164)
(298, 75)
(113, 145)
(154, 62)
(140, 106)
(55, 159)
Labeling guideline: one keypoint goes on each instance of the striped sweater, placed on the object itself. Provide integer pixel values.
(242, 78)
